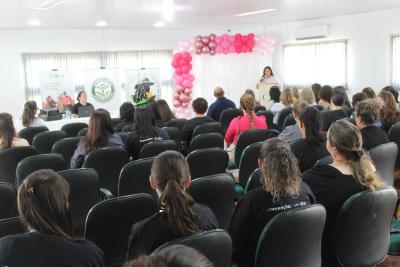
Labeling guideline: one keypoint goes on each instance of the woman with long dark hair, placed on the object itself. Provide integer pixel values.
(8, 136)
(44, 209)
(29, 118)
(311, 147)
(179, 215)
(165, 111)
(100, 134)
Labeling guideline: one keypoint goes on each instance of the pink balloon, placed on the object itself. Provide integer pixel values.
(199, 38)
(231, 49)
(213, 36)
(218, 39)
(175, 64)
(186, 56)
(206, 50)
(176, 103)
(199, 44)
(226, 51)
(179, 79)
(179, 89)
(186, 68)
(198, 51)
(219, 49)
(187, 83)
(225, 36)
(206, 40)
(231, 38)
(212, 45)
(178, 56)
(212, 52)
(176, 96)
(185, 105)
(225, 44)
(188, 91)
(251, 35)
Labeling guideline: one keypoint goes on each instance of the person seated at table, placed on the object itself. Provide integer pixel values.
(179, 215)
(222, 103)
(165, 111)
(126, 114)
(100, 134)
(45, 212)
(82, 108)
(29, 118)
(8, 135)
(282, 190)
(292, 132)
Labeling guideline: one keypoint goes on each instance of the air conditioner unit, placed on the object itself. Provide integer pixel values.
(314, 32)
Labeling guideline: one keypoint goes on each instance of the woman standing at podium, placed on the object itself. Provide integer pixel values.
(268, 76)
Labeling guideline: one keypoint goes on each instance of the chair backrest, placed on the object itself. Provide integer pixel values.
(217, 192)
(216, 245)
(324, 161)
(134, 178)
(11, 226)
(109, 222)
(30, 132)
(176, 123)
(83, 132)
(154, 148)
(72, 129)
(361, 235)
(248, 162)
(282, 116)
(394, 136)
(289, 121)
(84, 194)
(227, 116)
(9, 159)
(269, 117)
(208, 140)
(31, 164)
(210, 127)
(127, 128)
(216, 160)
(249, 137)
(174, 134)
(108, 162)
(384, 157)
(44, 141)
(259, 108)
(254, 181)
(66, 147)
(292, 238)
(8, 200)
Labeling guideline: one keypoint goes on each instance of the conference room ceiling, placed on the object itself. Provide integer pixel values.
(184, 14)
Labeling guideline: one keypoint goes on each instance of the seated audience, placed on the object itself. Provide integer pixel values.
(316, 87)
(357, 98)
(366, 117)
(156, 114)
(393, 91)
(307, 95)
(274, 95)
(389, 113)
(336, 112)
(179, 215)
(295, 93)
(282, 190)
(286, 100)
(311, 147)
(145, 131)
(165, 111)
(29, 118)
(199, 106)
(369, 92)
(100, 134)
(251, 92)
(126, 114)
(173, 256)
(346, 103)
(292, 132)
(351, 172)
(44, 209)
(222, 103)
(8, 136)
(325, 97)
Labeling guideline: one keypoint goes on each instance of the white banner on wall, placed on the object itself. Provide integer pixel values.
(137, 76)
(54, 86)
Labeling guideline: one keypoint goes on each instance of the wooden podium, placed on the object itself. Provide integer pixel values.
(263, 89)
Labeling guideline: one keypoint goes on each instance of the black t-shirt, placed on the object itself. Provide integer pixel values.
(251, 215)
(77, 106)
(307, 154)
(148, 234)
(120, 126)
(331, 188)
(38, 250)
(330, 116)
(190, 125)
(373, 136)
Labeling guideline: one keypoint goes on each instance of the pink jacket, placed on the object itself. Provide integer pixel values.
(241, 124)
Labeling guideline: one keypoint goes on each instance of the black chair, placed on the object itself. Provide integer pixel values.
(324, 161)
(361, 235)
(250, 137)
(260, 108)
(176, 123)
(282, 116)
(269, 117)
(9, 159)
(8, 200)
(349, 111)
(34, 163)
(30, 132)
(289, 121)
(209, 140)
(11, 226)
(292, 238)
(127, 128)
(84, 194)
(254, 181)
(108, 163)
(248, 162)
(155, 148)
(216, 245)
(207, 161)
(66, 147)
(210, 127)
(227, 116)
(394, 136)
(83, 132)
(174, 134)
(72, 129)
(44, 141)
(115, 121)
(134, 178)
(384, 157)
(109, 222)
(217, 192)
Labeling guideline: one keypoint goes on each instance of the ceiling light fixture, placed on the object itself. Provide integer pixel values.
(34, 22)
(159, 24)
(168, 10)
(49, 4)
(255, 12)
(101, 23)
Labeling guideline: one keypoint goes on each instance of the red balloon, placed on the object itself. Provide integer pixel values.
(178, 56)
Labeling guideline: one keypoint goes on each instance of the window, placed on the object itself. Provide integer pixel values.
(395, 58)
(317, 62)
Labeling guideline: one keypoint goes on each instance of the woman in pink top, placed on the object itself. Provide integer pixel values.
(243, 123)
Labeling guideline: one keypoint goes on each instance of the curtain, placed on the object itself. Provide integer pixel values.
(395, 45)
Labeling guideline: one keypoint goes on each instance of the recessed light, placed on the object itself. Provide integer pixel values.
(34, 22)
(168, 10)
(255, 12)
(159, 24)
(101, 23)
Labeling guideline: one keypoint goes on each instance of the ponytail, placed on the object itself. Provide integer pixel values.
(247, 103)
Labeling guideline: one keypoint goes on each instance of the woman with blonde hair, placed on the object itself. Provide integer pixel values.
(307, 95)
(286, 101)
